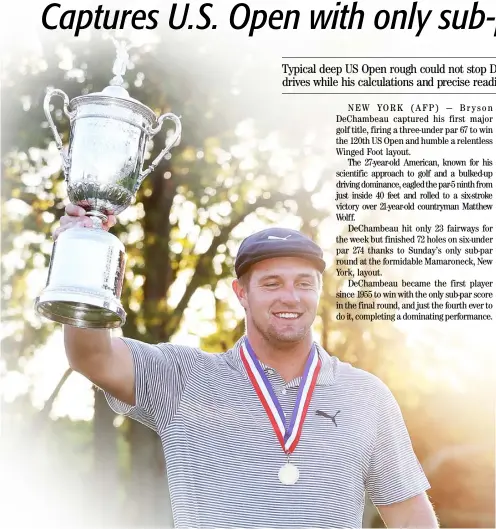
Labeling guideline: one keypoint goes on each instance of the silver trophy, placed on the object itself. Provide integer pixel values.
(103, 169)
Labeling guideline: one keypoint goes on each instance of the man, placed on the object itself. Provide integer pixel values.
(274, 433)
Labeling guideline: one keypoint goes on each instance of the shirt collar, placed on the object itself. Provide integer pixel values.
(326, 375)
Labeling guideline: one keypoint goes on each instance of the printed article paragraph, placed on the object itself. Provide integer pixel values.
(414, 195)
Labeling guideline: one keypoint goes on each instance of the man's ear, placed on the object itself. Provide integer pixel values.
(240, 292)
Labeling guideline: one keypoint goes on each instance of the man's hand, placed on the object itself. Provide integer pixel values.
(76, 216)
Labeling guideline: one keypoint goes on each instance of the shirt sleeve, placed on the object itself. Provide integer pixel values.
(161, 373)
(395, 473)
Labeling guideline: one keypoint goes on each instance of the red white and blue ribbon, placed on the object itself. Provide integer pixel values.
(289, 435)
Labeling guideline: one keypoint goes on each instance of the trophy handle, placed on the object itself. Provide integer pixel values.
(168, 146)
(46, 107)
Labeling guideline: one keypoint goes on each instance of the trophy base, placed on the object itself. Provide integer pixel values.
(85, 280)
(87, 312)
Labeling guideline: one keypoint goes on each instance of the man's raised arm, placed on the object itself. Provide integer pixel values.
(105, 361)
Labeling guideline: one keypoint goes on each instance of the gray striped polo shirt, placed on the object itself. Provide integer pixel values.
(223, 456)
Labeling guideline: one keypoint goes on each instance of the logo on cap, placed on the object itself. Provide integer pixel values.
(279, 238)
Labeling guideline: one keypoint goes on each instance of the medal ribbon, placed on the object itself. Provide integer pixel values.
(288, 438)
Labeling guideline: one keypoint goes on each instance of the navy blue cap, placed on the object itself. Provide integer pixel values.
(277, 242)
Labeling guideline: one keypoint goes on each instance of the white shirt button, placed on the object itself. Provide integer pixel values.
(270, 371)
(283, 391)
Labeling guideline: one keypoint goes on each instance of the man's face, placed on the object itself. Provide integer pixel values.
(280, 299)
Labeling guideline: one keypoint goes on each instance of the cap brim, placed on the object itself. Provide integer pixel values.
(319, 263)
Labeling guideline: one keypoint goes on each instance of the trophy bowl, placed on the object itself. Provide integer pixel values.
(103, 169)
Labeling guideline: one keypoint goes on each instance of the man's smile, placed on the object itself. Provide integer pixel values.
(287, 315)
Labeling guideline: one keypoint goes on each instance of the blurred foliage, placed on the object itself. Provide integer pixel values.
(180, 237)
